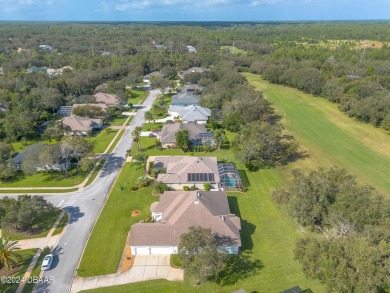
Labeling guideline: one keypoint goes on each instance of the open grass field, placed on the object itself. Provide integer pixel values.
(233, 50)
(27, 256)
(329, 137)
(105, 246)
(102, 140)
(43, 180)
(42, 225)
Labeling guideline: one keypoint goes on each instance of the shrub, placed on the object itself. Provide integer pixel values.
(134, 188)
(207, 186)
(186, 188)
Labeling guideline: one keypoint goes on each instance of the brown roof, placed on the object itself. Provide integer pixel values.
(106, 98)
(101, 106)
(179, 166)
(183, 209)
(77, 123)
(168, 132)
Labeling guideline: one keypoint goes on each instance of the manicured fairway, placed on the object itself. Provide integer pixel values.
(330, 137)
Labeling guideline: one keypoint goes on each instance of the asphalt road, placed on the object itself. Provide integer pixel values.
(84, 208)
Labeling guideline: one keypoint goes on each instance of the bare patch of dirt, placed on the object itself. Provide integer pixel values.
(135, 213)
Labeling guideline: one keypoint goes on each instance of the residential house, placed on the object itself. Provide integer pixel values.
(191, 49)
(190, 114)
(176, 212)
(190, 89)
(185, 100)
(35, 149)
(108, 99)
(82, 125)
(59, 71)
(182, 74)
(197, 132)
(187, 171)
(148, 77)
(46, 48)
(65, 111)
(34, 69)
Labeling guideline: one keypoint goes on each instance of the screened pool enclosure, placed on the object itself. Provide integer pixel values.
(230, 178)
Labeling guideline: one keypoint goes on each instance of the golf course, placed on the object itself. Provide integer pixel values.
(328, 137)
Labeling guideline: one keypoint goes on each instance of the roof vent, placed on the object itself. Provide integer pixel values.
(198, 194)
(223, 218)
(196, 202)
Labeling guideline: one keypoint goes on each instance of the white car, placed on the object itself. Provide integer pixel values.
(47, 261)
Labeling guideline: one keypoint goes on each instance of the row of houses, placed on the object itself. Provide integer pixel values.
(84, 125)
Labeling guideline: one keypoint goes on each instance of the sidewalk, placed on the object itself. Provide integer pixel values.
(145, 268)
(48, 241)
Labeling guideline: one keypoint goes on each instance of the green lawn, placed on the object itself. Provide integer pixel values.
(233, 50)
(95, 173)
(37, 191)
(45, 179)
(61, 225)
(121, 132)
(105, 246)
(43, 223)
(118, 121)
(329, 136)
(19, 146)
(27, 256)
(102, 140)
(29, 287)
(137, 97)
(152, 126)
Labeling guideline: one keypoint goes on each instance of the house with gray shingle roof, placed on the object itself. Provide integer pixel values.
(149, 76)
(190, 114)
(197, 132)
(190, 89)
(183, 73)
(176, 212)
(185, 99)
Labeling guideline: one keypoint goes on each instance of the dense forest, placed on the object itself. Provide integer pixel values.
(333, 60)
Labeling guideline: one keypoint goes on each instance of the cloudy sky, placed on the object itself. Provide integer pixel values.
(193, 10)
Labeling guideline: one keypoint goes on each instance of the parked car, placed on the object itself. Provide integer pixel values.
(47, 261)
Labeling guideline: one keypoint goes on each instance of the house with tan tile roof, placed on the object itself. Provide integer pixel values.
(187, 171)
(108, 99)
(82, 125)
(176, 212)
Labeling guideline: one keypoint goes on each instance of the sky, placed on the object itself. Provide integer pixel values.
(193, 10)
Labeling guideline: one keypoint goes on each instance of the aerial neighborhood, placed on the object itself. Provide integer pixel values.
(193, 157)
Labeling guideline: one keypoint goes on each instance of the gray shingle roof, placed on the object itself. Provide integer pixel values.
(185, 99)
(169, 131)
(191, 113)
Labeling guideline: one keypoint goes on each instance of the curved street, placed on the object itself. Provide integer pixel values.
(84, 208)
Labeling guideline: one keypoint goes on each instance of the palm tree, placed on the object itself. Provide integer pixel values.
(8, 255)
(149, 117)
(219, 137)
(137, 136)
(141, 159)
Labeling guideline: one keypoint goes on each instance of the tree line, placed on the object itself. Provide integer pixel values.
(349, 248)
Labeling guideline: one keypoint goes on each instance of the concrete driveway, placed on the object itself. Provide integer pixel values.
(145, 267)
